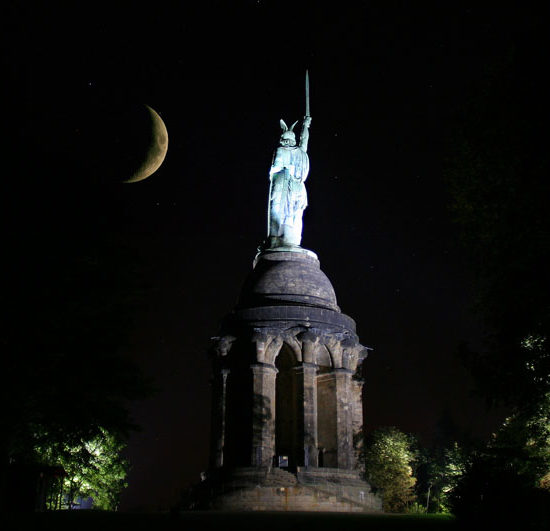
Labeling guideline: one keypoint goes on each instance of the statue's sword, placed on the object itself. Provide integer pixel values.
(307, 95)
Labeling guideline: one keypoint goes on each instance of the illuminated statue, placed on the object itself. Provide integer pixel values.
(287, 192)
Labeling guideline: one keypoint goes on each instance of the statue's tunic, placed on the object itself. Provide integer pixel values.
(288, 197)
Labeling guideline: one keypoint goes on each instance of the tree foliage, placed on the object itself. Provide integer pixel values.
(524, 439)
(389, 458)
(93, 468)
(440, 470)
(509, 477)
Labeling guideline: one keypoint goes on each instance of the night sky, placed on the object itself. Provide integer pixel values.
(390, 82)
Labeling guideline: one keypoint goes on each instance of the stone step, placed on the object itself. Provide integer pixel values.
(298, 498)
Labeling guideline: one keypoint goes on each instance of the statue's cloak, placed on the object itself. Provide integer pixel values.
(290, 169)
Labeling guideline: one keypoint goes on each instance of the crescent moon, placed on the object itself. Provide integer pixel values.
(157, 149)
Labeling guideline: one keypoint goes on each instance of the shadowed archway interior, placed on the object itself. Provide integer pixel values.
(288, 427)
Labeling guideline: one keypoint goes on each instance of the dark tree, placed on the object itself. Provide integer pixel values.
(498, 175)
(73, 287)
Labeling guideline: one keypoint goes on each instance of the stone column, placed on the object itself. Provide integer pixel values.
(308, 396)
(344, 420)
(219, 396)
(357, 414)
(263, 414)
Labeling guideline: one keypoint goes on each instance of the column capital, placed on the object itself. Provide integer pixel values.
(306, 367)
(264, 367)
(341, 370)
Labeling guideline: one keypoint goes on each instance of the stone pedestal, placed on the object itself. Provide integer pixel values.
(286, 398)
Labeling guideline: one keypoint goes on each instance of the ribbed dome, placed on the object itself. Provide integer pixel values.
(282, 278)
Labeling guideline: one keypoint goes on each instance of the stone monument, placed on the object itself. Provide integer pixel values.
(286, 387)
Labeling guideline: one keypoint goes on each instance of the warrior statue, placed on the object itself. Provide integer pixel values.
(287, 193)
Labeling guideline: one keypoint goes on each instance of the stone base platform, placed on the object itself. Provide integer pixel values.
(274, 489)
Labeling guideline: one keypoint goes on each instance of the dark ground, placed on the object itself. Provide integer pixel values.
(205, 521)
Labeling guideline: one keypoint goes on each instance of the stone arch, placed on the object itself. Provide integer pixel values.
(335, 351)
(295, 345)
(272, 350)
(323, 357)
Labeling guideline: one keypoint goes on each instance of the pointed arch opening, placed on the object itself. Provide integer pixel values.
(288, 411)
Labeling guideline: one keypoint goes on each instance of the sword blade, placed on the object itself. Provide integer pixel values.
(307, 94)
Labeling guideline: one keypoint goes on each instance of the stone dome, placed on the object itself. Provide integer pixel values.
(287, 278)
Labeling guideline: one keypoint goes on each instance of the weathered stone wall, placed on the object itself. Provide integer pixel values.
(273, 489)
(299, 498)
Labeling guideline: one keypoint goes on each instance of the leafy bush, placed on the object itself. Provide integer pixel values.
(389, 457)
